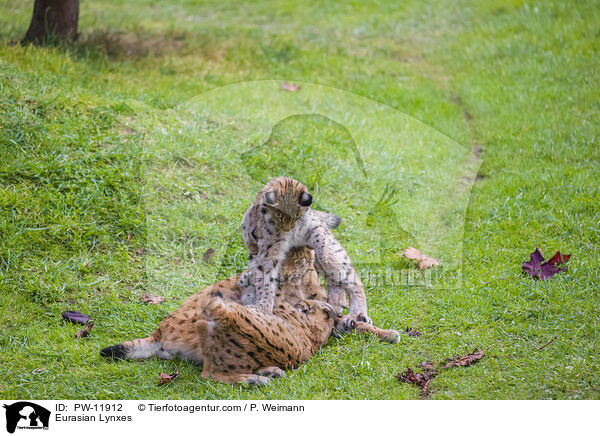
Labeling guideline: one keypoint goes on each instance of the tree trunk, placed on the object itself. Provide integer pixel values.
(53, 19)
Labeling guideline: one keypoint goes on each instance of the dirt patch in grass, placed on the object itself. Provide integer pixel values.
(117, 45)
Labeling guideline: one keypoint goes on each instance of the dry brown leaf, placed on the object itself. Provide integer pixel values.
(152, 299)
(420, 379)
(84, 331)
(423, 261)
(466, 360)
(208, 254)
(168, 378)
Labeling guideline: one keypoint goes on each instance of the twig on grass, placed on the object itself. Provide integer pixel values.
(548, 343)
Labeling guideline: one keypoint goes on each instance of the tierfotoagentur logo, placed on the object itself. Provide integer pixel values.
(394, 181)
(27, 416)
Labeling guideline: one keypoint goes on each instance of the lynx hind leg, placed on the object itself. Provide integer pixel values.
(251, 380)
(217, 310)
(391, 336)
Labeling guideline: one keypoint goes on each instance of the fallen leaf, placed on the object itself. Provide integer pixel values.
(427, 365)
(84, 331)
(76, 317)
(290, 86)
(423, 261)
(208, 254)
(412, 332)
(429, 371)
(168, 378)
(152, 299)
(141, 251)
(466, 360)
(420, 379)
(537, 268)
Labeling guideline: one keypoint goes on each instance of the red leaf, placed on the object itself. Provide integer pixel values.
(84, 331)
(152, 299)
(559, 258)
(535, 268)
(168, 378)
(76, 317)
(290, 86)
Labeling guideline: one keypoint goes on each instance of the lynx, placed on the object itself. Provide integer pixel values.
(238, 344)
(280, 219)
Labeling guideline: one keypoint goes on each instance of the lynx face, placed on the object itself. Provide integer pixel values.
(286, 200)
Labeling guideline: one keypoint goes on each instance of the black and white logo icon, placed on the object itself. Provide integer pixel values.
(26, 415)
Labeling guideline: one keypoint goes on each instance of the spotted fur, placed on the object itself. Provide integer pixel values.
(240, 344)
(280, 219)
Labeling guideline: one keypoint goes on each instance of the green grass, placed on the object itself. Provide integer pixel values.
(115, 178)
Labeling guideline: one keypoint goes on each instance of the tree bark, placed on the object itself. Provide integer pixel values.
(53, 19)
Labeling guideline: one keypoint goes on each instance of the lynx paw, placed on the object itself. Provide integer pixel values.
(256, 381)
(391, 336)
(363, 317)
(345, 324)
(271, 371)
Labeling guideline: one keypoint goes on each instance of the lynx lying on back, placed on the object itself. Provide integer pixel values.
(238, 344)
(281, 218)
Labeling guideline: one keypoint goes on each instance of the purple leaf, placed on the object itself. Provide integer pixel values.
(76, 317)
(537, 268)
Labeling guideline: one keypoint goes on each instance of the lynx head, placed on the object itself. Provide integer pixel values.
(286, 200)
(320, 317)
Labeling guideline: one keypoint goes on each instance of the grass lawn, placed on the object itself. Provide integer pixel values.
(117, 173)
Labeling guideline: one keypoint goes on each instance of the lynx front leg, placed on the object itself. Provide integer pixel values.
(336, 295)
(266, 273)
(340, 275)
(391, 336)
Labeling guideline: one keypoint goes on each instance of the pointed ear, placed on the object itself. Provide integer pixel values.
(330, 312)
(333, 221)
(305, 199)
(270, 197)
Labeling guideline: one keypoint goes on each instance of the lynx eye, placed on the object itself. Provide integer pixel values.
(305, 199)
(270, 197)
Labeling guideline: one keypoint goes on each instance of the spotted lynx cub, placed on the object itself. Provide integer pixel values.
(281, 218)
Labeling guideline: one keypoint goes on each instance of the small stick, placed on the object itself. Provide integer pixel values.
(549, 342)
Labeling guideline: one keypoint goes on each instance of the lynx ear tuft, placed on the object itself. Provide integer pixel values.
(305, 199)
